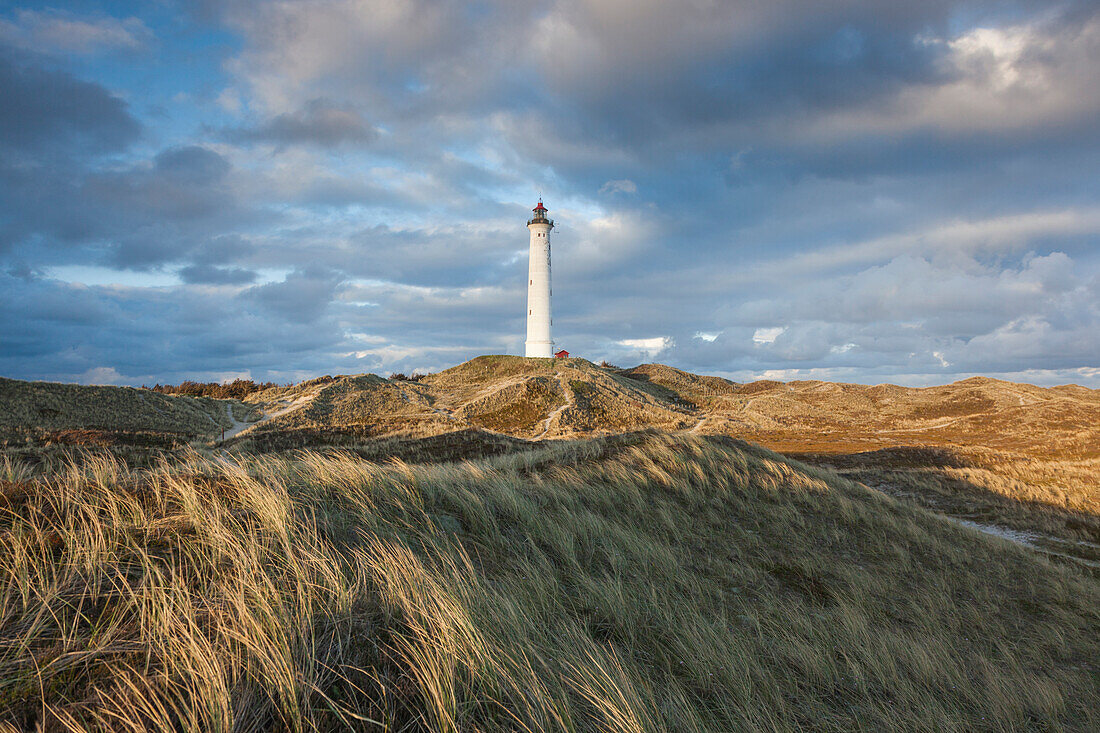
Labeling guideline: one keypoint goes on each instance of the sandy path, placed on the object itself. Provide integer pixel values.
(238, 425)
(1030, 539)
(550, 418)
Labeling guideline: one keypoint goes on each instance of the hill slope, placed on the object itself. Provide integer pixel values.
(1013, 456)
(833, 417)
(555, 398)
(522, 398)
(646, 583)
(51, 407)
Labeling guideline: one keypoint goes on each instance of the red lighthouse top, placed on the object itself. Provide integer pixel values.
(540, 216)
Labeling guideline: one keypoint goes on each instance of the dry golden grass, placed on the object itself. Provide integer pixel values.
(1059, 499)
(643, 583)
(1022, 456)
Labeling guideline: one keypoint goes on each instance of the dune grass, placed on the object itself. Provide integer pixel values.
(642, 583)
(1057, 497)
(49, 406)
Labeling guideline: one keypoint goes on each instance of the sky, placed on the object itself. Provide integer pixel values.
(849, 190)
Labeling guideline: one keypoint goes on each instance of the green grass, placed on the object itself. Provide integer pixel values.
(642, 583)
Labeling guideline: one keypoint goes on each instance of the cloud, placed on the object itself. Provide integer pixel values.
(191, 164)
(102, 375)
(767, 335)
(302, 297)
(318, 122)
(903, 189)
(46, 110)
(211, 275)
(61, 32)
(140, 215)
(649, 346)
(621, 186)
(1000, 234)
(994, 79)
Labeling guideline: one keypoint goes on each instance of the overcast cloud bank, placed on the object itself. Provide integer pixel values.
(844, 190)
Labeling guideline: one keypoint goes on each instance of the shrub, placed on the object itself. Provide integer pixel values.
(238, 389)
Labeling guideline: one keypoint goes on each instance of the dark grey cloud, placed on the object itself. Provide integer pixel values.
(318, 122)
(211, 275)
(46, 110)
(140, 215)
(302, 297)
(191, 164)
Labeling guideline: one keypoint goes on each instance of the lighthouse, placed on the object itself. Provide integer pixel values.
(538, 286)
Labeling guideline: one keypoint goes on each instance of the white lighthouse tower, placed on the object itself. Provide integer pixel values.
(538, 286)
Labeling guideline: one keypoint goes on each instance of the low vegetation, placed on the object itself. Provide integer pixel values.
(644, 582)
(402, 377)
(516, 409)
(238, 389)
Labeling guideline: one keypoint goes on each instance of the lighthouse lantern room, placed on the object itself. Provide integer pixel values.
(539, 289)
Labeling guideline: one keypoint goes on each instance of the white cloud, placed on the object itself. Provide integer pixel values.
(706, 336)
(960, 314)
(767, 335)
(995, 79)
(102, 375)
(1007, 234)
(621, 186)
(230, 100)
(648, 346)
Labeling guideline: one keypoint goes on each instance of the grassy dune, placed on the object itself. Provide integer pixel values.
(1057, 498)
(639, 583)
(49, 406)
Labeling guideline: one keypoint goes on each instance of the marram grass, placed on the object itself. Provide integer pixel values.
(646, 584)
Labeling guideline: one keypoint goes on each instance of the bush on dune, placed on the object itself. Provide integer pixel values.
(238, 389)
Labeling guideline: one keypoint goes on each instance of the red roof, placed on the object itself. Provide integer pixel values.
(540, 206)
(562, 354)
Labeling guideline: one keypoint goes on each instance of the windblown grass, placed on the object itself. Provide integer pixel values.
(638, 584)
